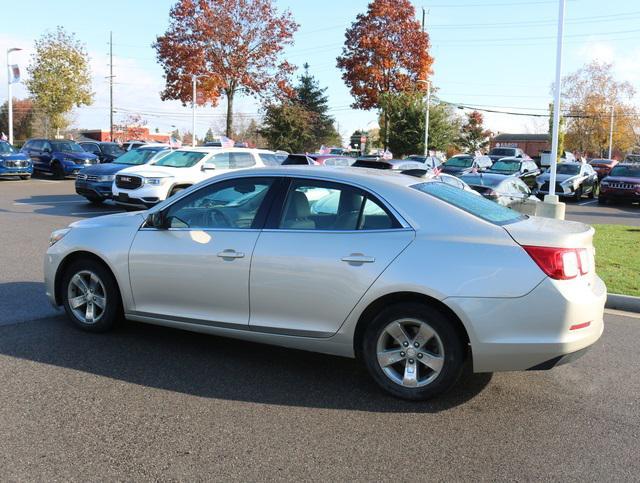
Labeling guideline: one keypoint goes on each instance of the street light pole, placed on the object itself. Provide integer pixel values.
(552, 207)
(426, 120)
(193, 113)
(10, 96)
(611, 132)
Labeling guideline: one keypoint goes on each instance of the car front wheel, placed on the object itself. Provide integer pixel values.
(413, 351)
(90, 296)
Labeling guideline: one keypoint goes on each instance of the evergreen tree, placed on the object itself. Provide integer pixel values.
(209, 137)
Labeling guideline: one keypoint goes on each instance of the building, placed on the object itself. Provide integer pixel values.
(531, 144)
(135, 132)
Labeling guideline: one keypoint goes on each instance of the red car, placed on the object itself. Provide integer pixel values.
(603, 166)
(622, 184)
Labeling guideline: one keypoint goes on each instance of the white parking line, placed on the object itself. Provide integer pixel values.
(95, 213)
(46, 180)
(590, 202)
(41, 203)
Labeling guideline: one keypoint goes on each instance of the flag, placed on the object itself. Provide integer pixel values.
(387, 154)
(4, 137)
(225, 142)
(437, 170)
(324, 150)
(15, 74)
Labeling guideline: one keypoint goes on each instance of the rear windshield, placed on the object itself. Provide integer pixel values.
(474, 204)
(181, 159)
(502, 151)
(459, 162)
(626, 171)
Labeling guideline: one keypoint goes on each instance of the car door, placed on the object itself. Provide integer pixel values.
(324, 245)
(195, 267)
(590, 178)
(36, 153)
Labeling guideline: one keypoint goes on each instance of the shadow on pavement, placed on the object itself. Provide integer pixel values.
(215, 367)
(67, 205)
(23, 301)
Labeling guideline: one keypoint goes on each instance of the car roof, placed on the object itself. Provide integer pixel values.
(481, 179)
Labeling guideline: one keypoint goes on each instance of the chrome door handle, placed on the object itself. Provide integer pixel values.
(229, 253)
(358, 258)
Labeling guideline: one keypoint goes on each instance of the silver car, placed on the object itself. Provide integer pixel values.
(411, 276)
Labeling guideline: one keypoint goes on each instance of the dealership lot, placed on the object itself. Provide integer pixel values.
(151, 402)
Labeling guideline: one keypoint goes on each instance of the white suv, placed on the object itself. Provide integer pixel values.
(145, 186)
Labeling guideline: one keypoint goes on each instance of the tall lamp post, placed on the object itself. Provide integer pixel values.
(426, 116)
(10, 98)
(552, 208)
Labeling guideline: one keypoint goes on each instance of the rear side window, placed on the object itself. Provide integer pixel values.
(269, 159)
(241, 160)
(476, 205)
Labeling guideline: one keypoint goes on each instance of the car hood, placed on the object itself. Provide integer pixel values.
(81, 156)
(14, 157)
(104, 169)
(559, 177)
(115, 220)
(501, 171)
(621, 179)
(151, 171)
(496, 157)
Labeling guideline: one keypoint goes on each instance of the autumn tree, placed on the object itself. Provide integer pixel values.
(23, 117)
(385, 51)
(588, 94)
(59, 76)
(287, 126)
(132, 126)
(232, 45)
(474, 137)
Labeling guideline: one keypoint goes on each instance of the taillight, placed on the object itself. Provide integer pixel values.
(560, 263)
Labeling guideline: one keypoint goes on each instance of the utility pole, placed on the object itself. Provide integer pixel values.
(611, 132)
(426, 113)
(552, 207)
(111, 86)
(193, 112)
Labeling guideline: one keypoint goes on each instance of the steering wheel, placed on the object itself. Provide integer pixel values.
(218, 217)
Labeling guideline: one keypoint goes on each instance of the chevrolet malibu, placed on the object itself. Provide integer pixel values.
(417, 276)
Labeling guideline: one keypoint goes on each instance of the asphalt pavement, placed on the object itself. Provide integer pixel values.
(151, 403)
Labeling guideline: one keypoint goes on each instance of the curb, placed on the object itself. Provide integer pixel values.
(623, 302)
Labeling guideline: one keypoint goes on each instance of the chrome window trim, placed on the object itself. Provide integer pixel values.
(351, 232)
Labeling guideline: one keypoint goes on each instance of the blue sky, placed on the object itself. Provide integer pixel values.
(488, 53)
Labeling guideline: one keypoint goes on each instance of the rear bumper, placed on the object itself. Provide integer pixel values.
(533, 331)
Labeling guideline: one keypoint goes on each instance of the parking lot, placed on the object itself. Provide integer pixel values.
(150, 402)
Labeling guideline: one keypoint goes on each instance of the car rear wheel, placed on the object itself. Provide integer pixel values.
(90, 296)
(577, 196)
(25, 177)
(413, 351)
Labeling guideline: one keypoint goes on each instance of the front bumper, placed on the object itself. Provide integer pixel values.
(146, 196)
(619, 194)
(533, 331)
(94, 189)
(26, 171)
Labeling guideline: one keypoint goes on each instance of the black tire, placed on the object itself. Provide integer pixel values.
(112, 313)
(58, 171)
(176, 190)
(441, 324)
(602, 200)
(25, 177)
(577, 196)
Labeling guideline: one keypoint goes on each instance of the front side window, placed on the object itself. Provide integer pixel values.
(319, 205)
(229, 204)
(181, 159)
(476, 205)
(220, 161)
(91, 148)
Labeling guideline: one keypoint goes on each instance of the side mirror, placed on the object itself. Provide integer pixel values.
(207, 167)
(157, 220)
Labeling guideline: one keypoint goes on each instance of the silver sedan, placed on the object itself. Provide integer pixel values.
(412, 276)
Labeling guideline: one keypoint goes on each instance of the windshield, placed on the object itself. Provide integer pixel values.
(476, 205)
(491, 181)
(270, 159)
(502, 152)
(112, 149)
(67, 147)
(459, 161)
(181, 159)
(137, 156)
(502, 165)
(6, 148)
(567, 168)
(626, 171)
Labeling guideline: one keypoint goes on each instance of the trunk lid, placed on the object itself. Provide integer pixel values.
(548, 232)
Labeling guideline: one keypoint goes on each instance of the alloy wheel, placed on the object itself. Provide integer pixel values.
(87, 297)
(410, 353)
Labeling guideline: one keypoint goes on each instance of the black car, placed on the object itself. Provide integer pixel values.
(525, 169)
(505, 190)
(106, 152)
